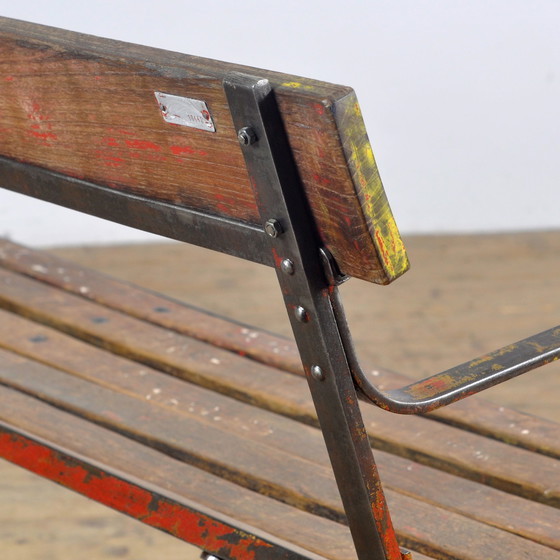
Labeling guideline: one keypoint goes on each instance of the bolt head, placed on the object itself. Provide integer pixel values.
(287, 266)
(317, 373)
(273, 228)
(246, 136)
(301, 314)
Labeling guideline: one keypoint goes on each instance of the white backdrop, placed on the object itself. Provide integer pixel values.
(461, 98)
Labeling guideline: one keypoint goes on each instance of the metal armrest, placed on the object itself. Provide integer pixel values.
(458, 382)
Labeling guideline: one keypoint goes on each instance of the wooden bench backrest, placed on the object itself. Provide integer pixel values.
(86, 108)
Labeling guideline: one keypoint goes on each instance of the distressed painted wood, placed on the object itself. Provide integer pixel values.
(503, 466)
(104, 389)
(85, 107)
(473, 414)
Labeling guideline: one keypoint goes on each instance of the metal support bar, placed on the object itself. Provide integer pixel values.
(294, 243)
(229, 236)
(155, 506)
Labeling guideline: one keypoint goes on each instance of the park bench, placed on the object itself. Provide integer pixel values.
(206, 428)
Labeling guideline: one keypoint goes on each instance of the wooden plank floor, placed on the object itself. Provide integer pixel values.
(464, 295)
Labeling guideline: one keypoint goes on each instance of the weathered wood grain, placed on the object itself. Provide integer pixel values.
(475, 457)
(85, 107)
(482, 503)
(473, 414)
(419, 525)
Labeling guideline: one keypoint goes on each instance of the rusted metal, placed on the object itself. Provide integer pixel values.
(458, 382)
(275, 179)
(226, 235)
(215, 533)
(319, 324)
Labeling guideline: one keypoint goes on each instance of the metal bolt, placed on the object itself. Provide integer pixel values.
(301, 314)
(273, 228)
(287, 266)
(246, 136)
(317, 373)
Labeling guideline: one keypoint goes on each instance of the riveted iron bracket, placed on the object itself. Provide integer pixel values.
(307, 282)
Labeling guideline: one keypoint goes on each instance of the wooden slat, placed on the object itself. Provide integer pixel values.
(474, 414)
(418, 525)
(532, 521)
(86, 107)
(500, 465)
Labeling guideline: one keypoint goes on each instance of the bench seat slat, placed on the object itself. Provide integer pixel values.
(417, 526)
(421, 482)
(469, 455)
(473, 414)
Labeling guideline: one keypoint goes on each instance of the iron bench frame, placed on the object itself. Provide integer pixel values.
(308, 277)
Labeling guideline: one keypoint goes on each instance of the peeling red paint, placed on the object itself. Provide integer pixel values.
(277, 258)
(40, 128)
(157, 511)
(225, 204)
(110, 141)
(321, 180)
(178, 150)
(108, 159)
(382, 247)
(43, 135)
(319, 109)
(143, 145)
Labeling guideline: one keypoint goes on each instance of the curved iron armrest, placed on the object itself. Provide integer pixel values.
(456, 383)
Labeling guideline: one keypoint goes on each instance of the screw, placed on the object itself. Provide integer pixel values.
(246, 136)
(317, 373)
(287, 266)
(273, 228)
(301, 314)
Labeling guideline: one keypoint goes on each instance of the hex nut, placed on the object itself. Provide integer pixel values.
(246, 136)
(273, 228)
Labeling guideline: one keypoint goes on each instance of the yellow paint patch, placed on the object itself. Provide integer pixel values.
(297, 85)
(375, 205)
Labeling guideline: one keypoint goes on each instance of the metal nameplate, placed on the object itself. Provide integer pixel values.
(185, 111)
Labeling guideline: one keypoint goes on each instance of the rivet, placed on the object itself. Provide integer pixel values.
(287, 266)
(246, 136)
(273, 228)
(317, 373)
(301, 314)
